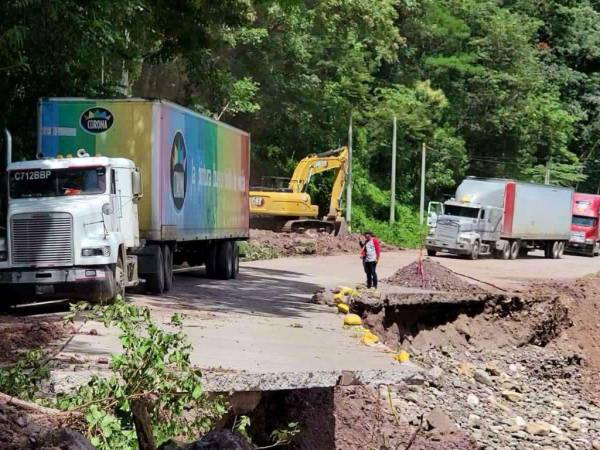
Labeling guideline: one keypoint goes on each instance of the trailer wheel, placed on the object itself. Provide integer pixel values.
(211, 260)
(596, 250)
(555, 250)
(561, 252)
(514, 249)
(224, 260)
(155, 282)
(431, 252)
(548, 249)
(236, 260)
(475, 251)
(168, 266)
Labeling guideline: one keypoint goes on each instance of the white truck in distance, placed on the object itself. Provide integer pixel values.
(499, 217)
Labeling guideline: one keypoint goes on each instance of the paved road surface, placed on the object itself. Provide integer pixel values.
(259, 331)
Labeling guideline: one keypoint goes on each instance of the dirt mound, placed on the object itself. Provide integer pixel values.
(22, 333)
(309, 243)
(432, 276)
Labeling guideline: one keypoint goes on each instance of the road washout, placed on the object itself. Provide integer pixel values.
(509, 370)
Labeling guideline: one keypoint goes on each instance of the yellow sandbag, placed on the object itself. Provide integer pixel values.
(345, 290)
(402, 357)
(343, 308)
(369, 338)
(338, 298)
(352, 319)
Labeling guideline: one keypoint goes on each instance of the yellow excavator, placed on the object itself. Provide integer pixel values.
(285, 205)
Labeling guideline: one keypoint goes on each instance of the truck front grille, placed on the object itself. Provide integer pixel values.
(40, 239)
(446, 232)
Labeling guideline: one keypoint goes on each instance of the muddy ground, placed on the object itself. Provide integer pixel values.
(310, 242)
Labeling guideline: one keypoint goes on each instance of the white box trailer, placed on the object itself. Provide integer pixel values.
(503, 217)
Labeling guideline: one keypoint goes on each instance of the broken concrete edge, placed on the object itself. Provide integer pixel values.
(425, 298)
(217, 381)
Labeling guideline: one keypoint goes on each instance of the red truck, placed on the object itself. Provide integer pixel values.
(584, 227)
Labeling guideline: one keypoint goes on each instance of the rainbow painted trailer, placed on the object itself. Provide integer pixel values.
(122, 190)
(499, 217)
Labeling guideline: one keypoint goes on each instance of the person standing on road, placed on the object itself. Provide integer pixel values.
(370, 253)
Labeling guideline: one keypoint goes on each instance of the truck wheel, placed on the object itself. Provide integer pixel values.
(224, 260)
(505, 252)
(118, 282)
(555, 249)
(155, 282)
(514, 249)
(475, 251)
(168, 255)
(431, 252)
(236, 260)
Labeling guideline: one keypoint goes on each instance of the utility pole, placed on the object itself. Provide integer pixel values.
(393, 187)
(349, 178)
(422, 200)
(548, 166)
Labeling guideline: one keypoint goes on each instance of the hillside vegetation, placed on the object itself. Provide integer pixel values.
(493, 88)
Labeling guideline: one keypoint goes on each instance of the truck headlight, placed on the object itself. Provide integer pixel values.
(98, 251)
(464, 239)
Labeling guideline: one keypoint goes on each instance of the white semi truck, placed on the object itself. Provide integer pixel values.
(499, 217)
(121, 190)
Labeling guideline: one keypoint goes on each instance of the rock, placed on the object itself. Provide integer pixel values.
(64, 438)
(435, 373)
(440, 422)
(575, 424)
(217, 440)
(465, 369)
(538, 428)
(513, 368)
(474, 421)
(102, 360)
(554, 429)
(472, 400)
(483, 378)
(558, 404)
(512, 396)
(516, 424)
(596, 445)
(21, 421)
(492, 368)
(494, 402)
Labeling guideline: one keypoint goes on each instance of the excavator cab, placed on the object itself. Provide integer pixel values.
(282, 207)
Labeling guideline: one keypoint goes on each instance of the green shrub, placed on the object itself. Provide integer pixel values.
(255, 251)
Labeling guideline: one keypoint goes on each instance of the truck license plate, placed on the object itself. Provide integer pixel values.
(44, 289)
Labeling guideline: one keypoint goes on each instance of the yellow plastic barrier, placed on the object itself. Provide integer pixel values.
(343, 308)
(338, 298)
(352, 319)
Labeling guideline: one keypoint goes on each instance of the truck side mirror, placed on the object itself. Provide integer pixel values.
(136, 184)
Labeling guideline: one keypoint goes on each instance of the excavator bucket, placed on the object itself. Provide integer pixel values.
(341, 228)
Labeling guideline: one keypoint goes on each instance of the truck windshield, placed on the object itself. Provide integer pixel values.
(461, 211)
(584, 221)
(57, 183)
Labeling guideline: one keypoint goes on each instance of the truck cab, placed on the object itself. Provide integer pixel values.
(584, 225)
(71, 223)
(464, 228)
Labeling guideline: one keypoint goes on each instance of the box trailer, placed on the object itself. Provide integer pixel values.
(584, 227)
(506, 218)
(125, 187)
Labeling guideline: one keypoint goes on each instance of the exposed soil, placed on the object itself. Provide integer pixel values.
(431, 275)
(348, 418)
(18, 334)
(310, 242)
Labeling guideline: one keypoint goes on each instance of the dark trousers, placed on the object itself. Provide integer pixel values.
(370, 270)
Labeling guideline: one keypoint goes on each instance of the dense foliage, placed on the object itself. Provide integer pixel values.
(493, 88)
